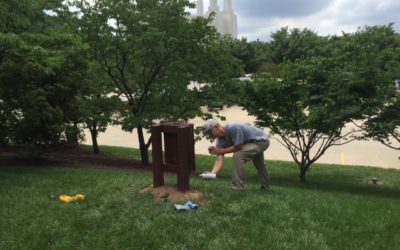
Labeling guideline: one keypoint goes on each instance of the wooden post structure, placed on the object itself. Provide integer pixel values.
(179, 155)
(156, 137)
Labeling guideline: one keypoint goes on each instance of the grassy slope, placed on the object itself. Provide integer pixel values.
(336, 209)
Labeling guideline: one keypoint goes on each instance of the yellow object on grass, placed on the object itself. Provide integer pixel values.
(68, 199)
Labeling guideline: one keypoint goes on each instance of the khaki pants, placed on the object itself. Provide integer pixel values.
(251, 151)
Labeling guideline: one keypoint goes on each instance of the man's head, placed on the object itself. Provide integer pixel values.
(213, 128)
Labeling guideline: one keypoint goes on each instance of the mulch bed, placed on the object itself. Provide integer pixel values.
(66, 156)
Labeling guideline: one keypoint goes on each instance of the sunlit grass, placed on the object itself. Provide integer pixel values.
(337, 208)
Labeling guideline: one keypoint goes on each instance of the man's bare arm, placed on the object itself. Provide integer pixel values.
(221, 151)
(218, 164)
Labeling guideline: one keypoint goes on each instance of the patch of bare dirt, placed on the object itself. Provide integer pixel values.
(172, 194)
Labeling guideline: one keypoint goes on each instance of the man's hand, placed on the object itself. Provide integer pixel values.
(215, 151)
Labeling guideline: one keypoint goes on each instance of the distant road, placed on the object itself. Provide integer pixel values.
(367, 153)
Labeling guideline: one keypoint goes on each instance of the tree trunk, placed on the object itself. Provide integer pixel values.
(303, 171)
(144, 153)
(94, 133)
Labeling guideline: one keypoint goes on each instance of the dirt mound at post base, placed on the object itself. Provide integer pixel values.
(172, 194)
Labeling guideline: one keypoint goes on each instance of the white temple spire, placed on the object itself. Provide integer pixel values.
(200, 7)
(225, 21)
(214, 5)
(228, 6)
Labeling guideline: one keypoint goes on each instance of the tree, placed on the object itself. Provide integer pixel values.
(245, 52)
(40, 68)
(318, 97)
(383, 124)
(295, 44)
(151, 51)
(303, 108)
(97, 105)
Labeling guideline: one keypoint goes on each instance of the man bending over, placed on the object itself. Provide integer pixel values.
(245, 142)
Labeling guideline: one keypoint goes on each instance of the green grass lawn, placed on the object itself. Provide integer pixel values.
(337, 208)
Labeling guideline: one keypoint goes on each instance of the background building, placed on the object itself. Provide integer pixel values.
(225, 21)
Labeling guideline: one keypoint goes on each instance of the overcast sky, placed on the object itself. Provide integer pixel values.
(257, 19)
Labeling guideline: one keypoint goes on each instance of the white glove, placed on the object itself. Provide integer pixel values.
(208, 176)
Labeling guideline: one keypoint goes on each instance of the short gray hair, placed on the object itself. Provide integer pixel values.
(209, 125)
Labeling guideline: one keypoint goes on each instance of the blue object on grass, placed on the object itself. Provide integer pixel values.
(187, 206)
